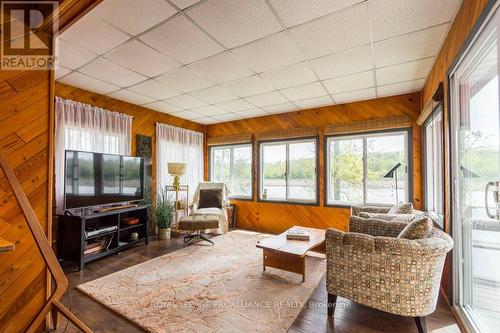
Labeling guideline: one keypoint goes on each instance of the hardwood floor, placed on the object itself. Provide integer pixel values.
(349, 317)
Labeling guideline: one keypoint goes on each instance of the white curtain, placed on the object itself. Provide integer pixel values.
(179, 145)
(85, 127)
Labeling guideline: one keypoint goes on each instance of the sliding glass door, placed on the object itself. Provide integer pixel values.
(475, 159)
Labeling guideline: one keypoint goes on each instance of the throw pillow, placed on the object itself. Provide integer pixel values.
(401, 208)
(210, 198)
(387, 217)
(417, 229)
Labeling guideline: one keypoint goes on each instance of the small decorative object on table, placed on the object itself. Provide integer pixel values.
(297, 234)
(130, 220)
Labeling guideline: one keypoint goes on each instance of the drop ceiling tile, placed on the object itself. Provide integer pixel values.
(227, 117)
(189, 115)
(155, 89)
(94, 35)
(162, 107)
(393, 18)
(215, 94)
(206, 121)
(405, 72)
(61, 71)
(353, 82)
(183, 4)
(348, 62)
(271, 98)
(309, 90)
(334, 33)
(294, 12)
(279, 108)
(236, 105)
(235, 22)
(252, 113)
(185, 80)
(290, 76)
(185, 101)
(72, 56)
(355, 96)
(221, 68)
(314, 102)
(209, 111)
(400, 88)
(248, 86)
(131, 97)
(182, 40)
(141, 58)
(134, 16)
(82, 81)
(414, 46)
(106, 70)
(271, 52)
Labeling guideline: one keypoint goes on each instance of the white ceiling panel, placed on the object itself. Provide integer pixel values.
(393, 18)
(206, 121)
(61, 71)
(267, 99)
(248, 86)
(309, 90)
(235, 22)
(134, 16)
(227, 117)
(348, 62)
(294, 12)
(185, 79)
(236, 105)
(418, 45)
(271, 52)
(279, 108)
(213, 95)
(209, 111)
(221, 68)
(353, 82)
(252, 113)
(189, 115)
(162, 107)
(82, 81)
(400, 88)
(404, 72)
(355, 96)
(141, 58)
(183, 4)
(155, 89)
(290, 76)
(108, 71)
(334, 33)
(94, 35)
(131, 97)
(314, 102)
(72, 56)
(182, 40)
(185, 101)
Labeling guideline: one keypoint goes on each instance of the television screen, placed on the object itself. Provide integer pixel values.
(93, 179)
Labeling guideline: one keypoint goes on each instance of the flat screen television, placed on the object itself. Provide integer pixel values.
(93, 179)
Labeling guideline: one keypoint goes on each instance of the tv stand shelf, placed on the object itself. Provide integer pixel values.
(74, 242)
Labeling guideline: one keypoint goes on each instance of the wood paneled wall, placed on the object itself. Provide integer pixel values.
(144, 122)
(276, 217)
(465, 20)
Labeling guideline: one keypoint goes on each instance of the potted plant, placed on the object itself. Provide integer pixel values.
(162, 213)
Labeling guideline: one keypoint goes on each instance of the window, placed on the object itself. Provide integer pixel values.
(367, 169)
(232, 165)
(433, 159)
(288, 171)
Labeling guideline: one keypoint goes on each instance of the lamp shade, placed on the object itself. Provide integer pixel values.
(176, 169)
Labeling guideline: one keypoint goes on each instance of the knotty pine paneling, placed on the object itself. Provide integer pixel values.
(275, 217)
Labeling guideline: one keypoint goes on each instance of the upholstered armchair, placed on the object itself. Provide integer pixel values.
(221, 213)
(371, 266)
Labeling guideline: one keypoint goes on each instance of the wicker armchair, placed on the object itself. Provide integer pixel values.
(371, 266)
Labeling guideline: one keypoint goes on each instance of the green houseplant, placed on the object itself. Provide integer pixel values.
(162, 213)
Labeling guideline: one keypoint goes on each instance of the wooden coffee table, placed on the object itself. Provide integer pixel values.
(289, 255)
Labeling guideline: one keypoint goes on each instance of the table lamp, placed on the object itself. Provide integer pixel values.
(176, 170)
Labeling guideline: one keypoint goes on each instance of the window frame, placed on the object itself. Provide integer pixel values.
(408, 132)
(287, 141)
(210, 167)
(439, 108)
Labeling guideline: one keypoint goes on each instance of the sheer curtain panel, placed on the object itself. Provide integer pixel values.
(85, 127)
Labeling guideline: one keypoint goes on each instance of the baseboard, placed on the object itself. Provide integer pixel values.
(461, 325)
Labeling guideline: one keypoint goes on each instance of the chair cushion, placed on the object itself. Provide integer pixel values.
(401, 208)
(210, 198)
(198, 222)
(419, 228)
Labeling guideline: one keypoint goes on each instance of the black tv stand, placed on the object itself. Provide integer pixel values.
(90, 237)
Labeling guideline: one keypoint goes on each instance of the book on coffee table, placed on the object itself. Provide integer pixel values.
(297, 234)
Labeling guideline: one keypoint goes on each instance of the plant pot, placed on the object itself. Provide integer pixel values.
(164, 234)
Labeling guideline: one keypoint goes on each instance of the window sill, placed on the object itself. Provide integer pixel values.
(288, 202)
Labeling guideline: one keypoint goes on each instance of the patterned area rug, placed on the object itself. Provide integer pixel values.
(204, 288)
